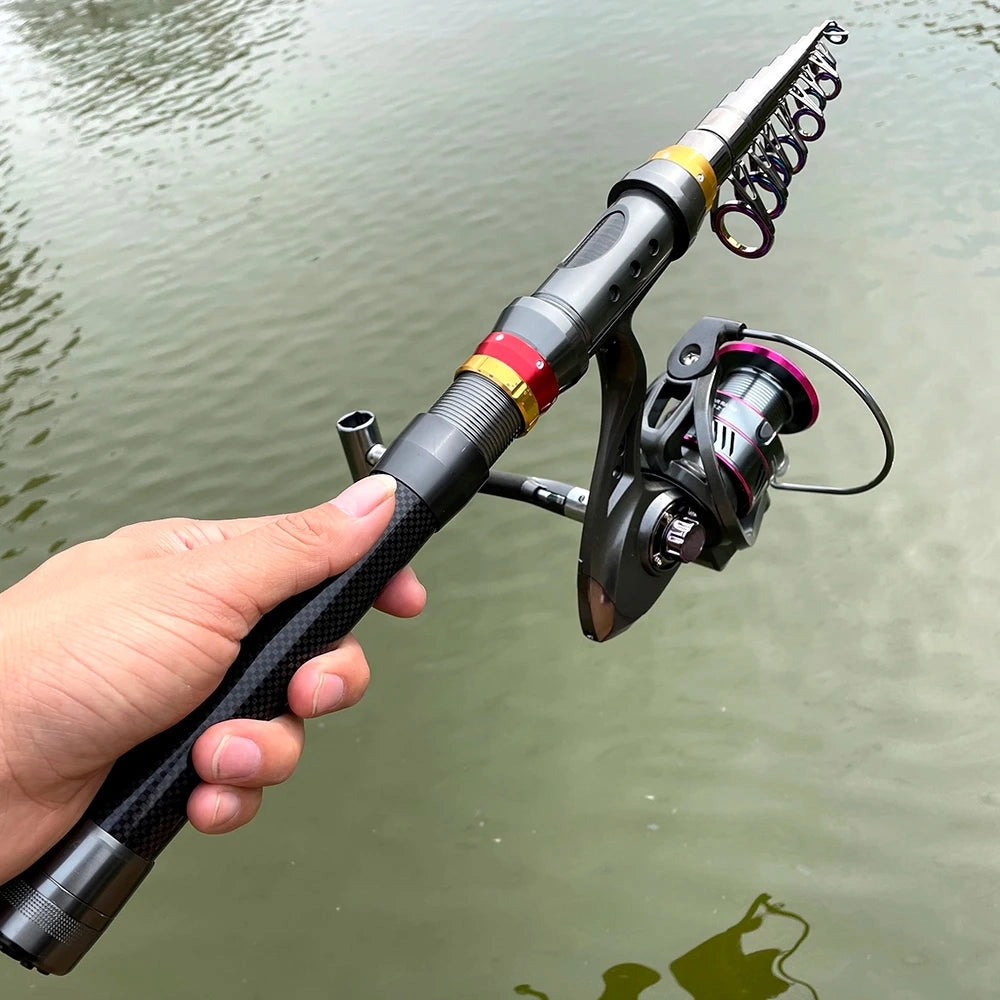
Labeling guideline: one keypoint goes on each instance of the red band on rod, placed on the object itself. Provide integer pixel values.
(533, 369)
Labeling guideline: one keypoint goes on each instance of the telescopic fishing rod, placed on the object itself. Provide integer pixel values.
(682, 472)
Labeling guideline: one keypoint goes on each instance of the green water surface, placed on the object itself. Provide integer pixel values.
(223, 223)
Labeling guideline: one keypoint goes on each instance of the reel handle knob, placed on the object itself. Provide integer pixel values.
(684, 539)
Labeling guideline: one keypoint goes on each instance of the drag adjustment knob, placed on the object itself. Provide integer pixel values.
(684, 539)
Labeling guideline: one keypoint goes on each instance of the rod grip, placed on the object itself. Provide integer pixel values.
(143, 802)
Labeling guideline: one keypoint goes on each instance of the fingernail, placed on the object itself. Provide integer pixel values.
(227, 805)
(365, 495)
(235, 757)
(329, 693)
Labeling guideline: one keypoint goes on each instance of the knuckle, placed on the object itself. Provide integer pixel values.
(140, 528)
(307, 528)
(169, 534)
(184, 535)
(359, 667)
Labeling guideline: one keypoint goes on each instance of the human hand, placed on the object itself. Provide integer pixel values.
(114, 640)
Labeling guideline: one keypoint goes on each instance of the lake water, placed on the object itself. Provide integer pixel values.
(223, 224)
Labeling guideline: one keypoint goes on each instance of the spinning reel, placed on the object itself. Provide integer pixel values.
(683, 468)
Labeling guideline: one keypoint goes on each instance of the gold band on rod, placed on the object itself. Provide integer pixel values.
(506, 378)
(696, 165)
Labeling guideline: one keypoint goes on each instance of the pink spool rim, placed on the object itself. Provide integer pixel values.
(781, 361)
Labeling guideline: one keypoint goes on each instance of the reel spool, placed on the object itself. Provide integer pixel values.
(760, 394)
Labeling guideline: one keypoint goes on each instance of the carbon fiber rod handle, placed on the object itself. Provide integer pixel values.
(143, 802)
(51, 914)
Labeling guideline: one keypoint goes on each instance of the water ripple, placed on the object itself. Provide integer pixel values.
(122, 68)
(32, 345)
(976, 21)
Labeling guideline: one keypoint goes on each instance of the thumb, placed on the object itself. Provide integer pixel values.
(292, 553)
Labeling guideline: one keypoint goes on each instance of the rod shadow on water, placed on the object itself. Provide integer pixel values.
(719, 968)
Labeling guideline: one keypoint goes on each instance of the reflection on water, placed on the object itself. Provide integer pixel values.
(621, 982)
(28, 306)
(721, 968)
(131, 65)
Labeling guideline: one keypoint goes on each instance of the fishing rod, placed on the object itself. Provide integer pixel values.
(682, 472)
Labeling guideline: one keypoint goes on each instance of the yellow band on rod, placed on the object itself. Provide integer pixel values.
(506, 378)
(696, 165)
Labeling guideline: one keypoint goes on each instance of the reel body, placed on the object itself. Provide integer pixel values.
(684, 467)
(758, 394)
(699, 456)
